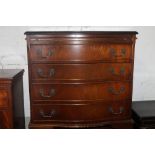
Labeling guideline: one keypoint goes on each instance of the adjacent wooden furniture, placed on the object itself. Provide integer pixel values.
(11, 99)
(80, 79)
(144, 114)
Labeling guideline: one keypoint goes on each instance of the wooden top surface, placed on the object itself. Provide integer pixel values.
(6, 74)
(79, 32)
(144, 109)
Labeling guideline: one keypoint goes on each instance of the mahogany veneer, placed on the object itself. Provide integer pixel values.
(80, 79)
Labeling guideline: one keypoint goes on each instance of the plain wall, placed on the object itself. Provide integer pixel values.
(13, 54)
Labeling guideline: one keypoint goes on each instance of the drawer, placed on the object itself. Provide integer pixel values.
(81, 53)
(82, 91)
(93, 112)
(3, 98)
(99, 71)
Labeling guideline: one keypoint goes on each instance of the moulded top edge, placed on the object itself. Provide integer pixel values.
(79, 32)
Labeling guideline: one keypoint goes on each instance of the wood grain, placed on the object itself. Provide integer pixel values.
(81, 53)
(82, 72)
(81, 113)
(94, 91)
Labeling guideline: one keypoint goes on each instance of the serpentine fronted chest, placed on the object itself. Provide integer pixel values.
(80, 79)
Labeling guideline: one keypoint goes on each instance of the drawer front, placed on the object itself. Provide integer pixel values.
(3, 98)
(99, 71)
(5, 119)
(84, 91)
(107, 111)
(80, 53)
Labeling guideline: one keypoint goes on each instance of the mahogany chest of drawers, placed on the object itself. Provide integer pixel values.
(11, 99)
(80, 79)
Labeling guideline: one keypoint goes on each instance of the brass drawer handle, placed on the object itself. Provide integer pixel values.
(51, 73)
(113, 52)
(49, 115)
(52, 93)
(121, 110)
(121, 72)
(114, 92)
(123, 52)
(50, 53)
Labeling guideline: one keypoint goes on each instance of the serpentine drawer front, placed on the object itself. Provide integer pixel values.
(87, 91)
(75, 72)
(88, 52)
(80, 79)
(80, 113)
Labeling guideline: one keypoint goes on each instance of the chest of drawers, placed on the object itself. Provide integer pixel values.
(11, 99)
(80, 79)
